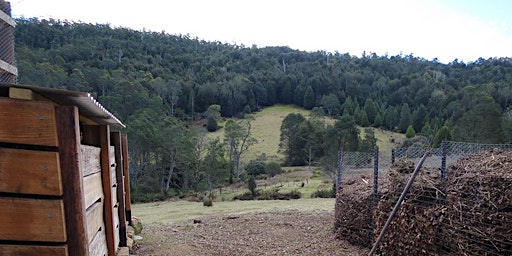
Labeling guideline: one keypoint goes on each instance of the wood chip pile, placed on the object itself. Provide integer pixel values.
(479, 204)
(353, 211)
(415, 228)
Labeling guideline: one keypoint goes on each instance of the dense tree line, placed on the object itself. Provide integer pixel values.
(159, 84)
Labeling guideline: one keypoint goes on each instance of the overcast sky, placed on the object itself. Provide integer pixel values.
(449, 29)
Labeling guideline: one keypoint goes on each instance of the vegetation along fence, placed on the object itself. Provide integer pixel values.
(460, 203)
(8, 70)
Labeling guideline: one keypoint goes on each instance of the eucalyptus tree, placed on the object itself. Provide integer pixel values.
(238, 137)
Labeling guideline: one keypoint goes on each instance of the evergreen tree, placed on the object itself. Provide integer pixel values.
(405, 118)
(309, 98)
(444, 134)
(371, 110)
(481, 124)
(410, 132)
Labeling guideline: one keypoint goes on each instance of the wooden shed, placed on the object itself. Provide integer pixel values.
(64, 186)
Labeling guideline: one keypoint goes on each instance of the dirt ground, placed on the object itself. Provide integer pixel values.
(290, 232)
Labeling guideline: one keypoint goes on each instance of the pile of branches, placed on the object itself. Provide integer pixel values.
(354, 211)
(415, 228)
(479, 204)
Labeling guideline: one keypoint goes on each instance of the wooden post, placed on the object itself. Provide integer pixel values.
(107, 187)
(126, 173)
(116, 141)
(69, 156)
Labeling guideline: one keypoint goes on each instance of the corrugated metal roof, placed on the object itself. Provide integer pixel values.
(87, 105)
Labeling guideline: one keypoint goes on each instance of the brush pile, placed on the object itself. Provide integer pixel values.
(470, 213)
(415, 228)
(353, 211)
(479, 205)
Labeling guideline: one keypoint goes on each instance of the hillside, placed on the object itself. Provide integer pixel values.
(158, 84)
(266, 128)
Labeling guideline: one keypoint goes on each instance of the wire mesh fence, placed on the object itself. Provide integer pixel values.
(459, 204)
(8, 70)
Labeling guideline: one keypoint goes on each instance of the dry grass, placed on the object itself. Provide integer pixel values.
(182, 211)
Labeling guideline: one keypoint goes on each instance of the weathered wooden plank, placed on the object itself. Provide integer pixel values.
(116, 227)
(93, 189)
(98, 246)
(114, 195)
(126, 174)
(30, 172)
(90, 159)
(24, 219)
(72, 179)
(28, 122)
(104, 131)
(113, 164)
(94, 220)
(117, 142)
(33, 250)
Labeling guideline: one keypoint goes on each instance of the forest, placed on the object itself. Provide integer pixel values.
(161, 86)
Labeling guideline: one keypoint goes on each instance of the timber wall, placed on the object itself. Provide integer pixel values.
(62, 181)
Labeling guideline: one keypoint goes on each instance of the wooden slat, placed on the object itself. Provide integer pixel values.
(114, 195)
(104, 131)
(113, 164)
(72, 179)
(27, 122)
(30, 172)
(98, 246)
(90, 159)
(116, 228)
(33, 250)
(23, 219)
(93, 189)
(94, 220)
(126, 174)
(117, 142)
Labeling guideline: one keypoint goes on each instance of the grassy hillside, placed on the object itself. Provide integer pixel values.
(266, 129)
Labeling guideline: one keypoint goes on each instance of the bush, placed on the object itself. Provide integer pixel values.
(251, 183)
(212, 125)
(245, 196)
(255, 168)
(323, 193)
(208, 202)
(273, 168)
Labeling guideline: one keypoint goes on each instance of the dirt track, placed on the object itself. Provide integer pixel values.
(289, 232)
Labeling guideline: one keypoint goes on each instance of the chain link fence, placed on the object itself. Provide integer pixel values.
(452, 208)
(8, 70)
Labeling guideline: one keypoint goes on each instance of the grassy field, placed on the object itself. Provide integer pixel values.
(266, 128)
(301, 179)
(183, 211)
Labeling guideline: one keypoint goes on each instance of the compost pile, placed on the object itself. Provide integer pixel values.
(479, 204)
(353, 211)
(415, 228)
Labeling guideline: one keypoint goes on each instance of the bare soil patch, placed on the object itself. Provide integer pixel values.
(289, 232)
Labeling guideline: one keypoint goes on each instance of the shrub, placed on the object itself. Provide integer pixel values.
(212, 125)
(208, 202)
(251, 183)
(323, 193)
(295, 194)
(255, 168)
(273, 168)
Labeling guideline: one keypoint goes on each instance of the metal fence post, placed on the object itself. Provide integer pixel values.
(340, 168)
(393, 153)
(375, 175)
(443, 160)
(375, 185)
